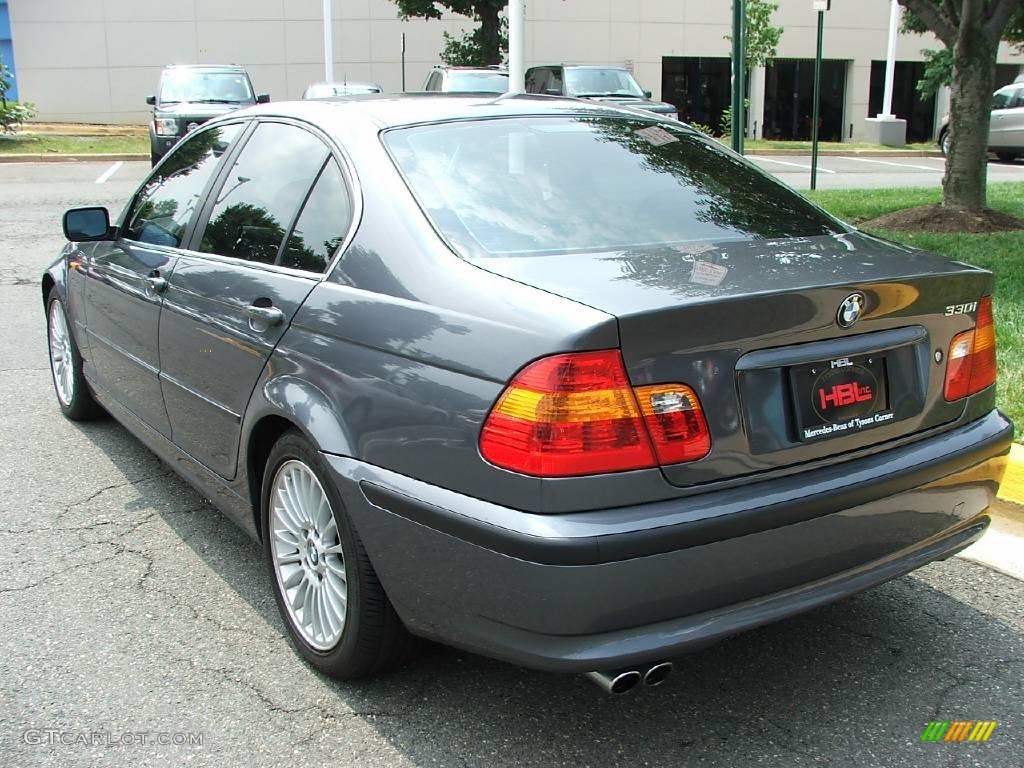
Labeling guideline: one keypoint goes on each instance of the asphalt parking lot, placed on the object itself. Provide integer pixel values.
(132, 610)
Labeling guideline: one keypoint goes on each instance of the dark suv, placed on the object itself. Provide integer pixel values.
(191, 95)
(602, 83)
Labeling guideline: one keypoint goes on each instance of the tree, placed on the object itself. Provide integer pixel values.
(762, 38)
(12, 114)
(483, 46)
(971, 30)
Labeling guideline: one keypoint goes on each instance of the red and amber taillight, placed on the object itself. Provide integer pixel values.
(971, 365)
(576, 414)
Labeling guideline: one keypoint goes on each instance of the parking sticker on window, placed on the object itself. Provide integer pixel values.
(656, 136)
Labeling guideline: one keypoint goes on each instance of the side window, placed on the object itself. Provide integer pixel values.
(1018, 101)
(262, 193)
(535, 80)
(555, 83)
(1002, 99)
(163, 209)
(322, 225)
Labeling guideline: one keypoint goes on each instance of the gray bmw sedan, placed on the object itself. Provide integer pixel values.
(556, 382)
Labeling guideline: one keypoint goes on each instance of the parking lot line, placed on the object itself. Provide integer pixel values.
(895, 165)
(107, 174)
(783, 162)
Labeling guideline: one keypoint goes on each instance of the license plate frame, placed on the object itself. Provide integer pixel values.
(842, 396)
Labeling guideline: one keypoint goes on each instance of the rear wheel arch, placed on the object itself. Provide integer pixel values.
(264, 435)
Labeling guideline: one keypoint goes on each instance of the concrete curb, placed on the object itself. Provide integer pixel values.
(1012, 488)
(57, 157)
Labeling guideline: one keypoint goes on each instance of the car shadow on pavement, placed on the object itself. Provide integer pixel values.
(852, 683)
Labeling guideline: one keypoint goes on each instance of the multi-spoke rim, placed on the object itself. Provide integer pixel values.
(61, 360)
(306, 550)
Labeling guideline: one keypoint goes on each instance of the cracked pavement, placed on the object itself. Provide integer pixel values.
(131, 606)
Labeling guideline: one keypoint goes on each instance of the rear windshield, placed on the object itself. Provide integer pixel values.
(551, 185)
(477, 82)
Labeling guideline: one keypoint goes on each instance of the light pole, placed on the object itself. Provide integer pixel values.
(820, 6)
(516, 46)
(328, 42)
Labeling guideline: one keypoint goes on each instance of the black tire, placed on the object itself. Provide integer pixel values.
(154, 158)
(81, 406)
(1007, 157)
(373, 638)
(944, 143)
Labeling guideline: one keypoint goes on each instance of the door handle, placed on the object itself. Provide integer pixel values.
(262, 318)
(156, 284)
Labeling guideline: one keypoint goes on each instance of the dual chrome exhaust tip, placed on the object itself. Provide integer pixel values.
(624, 681)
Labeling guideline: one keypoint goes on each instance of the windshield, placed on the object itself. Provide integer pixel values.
(215, 87)
(477, 82)
(601, 82)
(549, 185)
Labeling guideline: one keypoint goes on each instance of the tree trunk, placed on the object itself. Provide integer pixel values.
(974, 68)
(490, 33)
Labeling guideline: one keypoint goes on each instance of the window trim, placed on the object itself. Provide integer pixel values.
(349, 178)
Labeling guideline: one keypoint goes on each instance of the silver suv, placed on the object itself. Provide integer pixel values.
(467, 80)
(1006, 133)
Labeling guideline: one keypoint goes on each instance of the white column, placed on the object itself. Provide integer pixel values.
(328, 42)
(516, 46)
(755, 115)
(890, 59)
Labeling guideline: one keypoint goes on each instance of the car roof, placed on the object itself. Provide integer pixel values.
(492, 69)
(582, 66)
(380, 111)
(212, 67)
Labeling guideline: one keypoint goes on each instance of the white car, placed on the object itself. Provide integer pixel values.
(1006, 133)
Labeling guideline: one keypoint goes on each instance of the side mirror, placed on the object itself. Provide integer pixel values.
(151, 100)
(263, 98)
(84, 225)
(648, 94)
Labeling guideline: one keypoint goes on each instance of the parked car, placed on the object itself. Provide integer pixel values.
(563, 384)
(611, 85)
(330, 90)
(190, 95)
(1006, 131)
(467, 80)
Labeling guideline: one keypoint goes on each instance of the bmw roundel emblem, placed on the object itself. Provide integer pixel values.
(851, 310)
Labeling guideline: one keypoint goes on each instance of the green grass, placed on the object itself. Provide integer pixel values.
(71, 145)
(1001, 252)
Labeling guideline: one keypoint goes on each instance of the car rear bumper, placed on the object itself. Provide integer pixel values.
(610, 588)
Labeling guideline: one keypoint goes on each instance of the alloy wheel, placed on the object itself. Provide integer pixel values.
(307, 555)
(61, 355)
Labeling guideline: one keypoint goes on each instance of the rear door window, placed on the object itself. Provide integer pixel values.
(322, 225)
(163, 209)
(262, 193)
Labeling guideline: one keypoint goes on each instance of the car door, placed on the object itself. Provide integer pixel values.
(125, 279)
(252, 264)
(1003, 125)
(1015, 121)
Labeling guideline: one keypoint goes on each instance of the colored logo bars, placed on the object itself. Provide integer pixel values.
(958, 730)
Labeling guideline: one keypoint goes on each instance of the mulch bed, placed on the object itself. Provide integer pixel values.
(938, 218)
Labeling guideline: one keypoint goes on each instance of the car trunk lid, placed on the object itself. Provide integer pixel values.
(753, 327)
